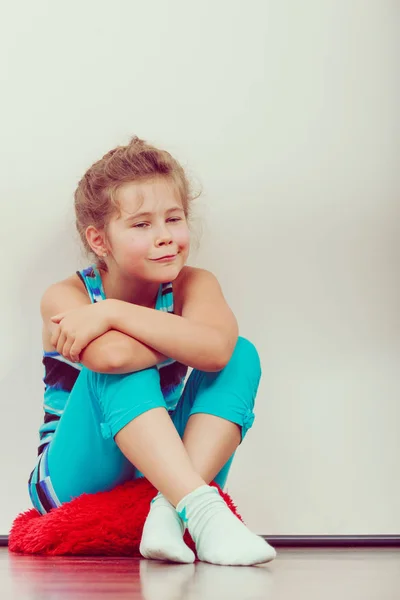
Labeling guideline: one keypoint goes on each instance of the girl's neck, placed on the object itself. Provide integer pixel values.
(129, 289)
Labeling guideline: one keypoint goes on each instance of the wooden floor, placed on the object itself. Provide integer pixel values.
(295, 575)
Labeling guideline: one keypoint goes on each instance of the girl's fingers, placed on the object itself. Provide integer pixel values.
(67, 348)
(54, 336)
(75, 351)
(61, 342)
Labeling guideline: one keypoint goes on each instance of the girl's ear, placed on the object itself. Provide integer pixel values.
(96, 240)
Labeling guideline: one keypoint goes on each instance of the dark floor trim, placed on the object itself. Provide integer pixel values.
(318, 541)
(339, 541)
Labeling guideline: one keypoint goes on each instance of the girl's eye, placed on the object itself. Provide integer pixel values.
(140, 225)
(144, 225)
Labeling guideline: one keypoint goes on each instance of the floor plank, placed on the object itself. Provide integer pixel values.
(294, 575)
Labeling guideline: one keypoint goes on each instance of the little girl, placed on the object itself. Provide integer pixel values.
(118, 338)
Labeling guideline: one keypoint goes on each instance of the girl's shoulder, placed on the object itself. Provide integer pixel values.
(70, 292)
(190, 281)
(191, 274)
(72, 282)
(188, 273)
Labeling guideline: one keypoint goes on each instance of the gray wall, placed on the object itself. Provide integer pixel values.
(288, 114)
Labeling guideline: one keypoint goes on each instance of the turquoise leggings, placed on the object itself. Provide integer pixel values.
(83, 456)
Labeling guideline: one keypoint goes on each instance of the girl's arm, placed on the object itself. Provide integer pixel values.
(204, 337)
(106, 353)
(115, 347)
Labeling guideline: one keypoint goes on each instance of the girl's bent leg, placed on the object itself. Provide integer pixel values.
(83, 456)
(210, 439)
(216, 411)
(211, 443)
(220, 403)
(152, 443)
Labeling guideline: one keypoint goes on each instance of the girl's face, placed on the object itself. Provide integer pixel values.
(151, 226)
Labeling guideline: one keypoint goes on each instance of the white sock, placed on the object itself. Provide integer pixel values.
(162, 537)
(220, 537)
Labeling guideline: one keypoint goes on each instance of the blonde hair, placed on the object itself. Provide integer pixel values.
(95, 197)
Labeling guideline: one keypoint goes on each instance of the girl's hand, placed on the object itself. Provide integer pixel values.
(76, 328)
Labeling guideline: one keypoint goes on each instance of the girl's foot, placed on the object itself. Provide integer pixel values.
(220, 537)
(162, 537)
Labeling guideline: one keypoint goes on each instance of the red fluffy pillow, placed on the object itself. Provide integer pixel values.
(102, 524)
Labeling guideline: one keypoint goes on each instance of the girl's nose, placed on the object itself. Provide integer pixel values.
(164, 237)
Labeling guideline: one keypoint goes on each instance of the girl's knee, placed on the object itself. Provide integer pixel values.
(144, 380)
(119, 399)
(247, 355)
(245, 366)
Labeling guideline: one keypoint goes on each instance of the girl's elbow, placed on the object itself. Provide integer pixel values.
(115, 360)
(223, 355)
(107, 360)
